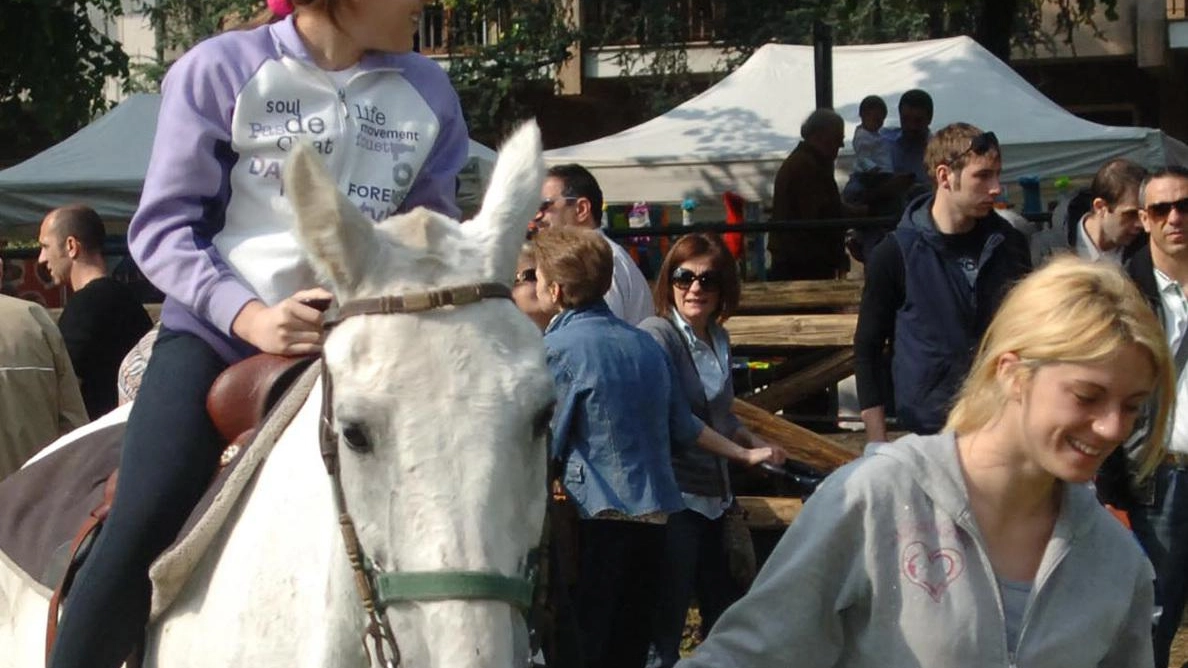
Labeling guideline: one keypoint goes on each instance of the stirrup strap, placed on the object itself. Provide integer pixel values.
(89, 528)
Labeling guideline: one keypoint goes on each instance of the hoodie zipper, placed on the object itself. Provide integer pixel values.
(345, 122)
(1041, 578)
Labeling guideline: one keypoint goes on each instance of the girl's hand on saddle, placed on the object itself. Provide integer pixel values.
(290, 327)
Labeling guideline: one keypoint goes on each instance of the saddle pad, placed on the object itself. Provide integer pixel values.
(171, 570)
(43, 505)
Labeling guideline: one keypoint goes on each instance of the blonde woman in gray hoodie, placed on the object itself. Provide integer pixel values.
(982, 545)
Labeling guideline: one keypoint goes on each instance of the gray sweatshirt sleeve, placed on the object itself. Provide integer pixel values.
(1132, 646)
(793, 614)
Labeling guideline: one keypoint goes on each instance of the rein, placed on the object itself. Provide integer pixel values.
(379, 588)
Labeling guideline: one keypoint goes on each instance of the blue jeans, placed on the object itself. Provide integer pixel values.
(1162, 528)
(695, 563)
(170, 455)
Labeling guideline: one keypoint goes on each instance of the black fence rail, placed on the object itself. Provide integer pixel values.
(676, 230)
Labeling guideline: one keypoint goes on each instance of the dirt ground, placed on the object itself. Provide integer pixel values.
(1179, 648)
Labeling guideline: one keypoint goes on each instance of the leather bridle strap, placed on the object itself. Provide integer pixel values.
(378, 589)
(420, 301)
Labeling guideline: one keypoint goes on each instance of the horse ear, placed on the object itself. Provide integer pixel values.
(338, 240)
(511, 200)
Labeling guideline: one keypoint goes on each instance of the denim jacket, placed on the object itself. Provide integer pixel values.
(618, 414)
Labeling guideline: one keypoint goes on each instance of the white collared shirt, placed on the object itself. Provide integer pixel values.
(1175, 323)
(713, 366)
(712, 361)
(629, 297)
(1088, 250)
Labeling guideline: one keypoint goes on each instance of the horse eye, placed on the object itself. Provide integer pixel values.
(355, 437)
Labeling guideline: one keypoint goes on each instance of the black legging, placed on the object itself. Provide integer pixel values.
(170, 455)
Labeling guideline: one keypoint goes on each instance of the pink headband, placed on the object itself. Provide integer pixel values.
(281, 8)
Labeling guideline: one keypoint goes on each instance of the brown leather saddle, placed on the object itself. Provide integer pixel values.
(243, 394)
(238, 402)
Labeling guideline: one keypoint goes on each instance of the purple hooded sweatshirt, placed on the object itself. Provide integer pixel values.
(213, 229)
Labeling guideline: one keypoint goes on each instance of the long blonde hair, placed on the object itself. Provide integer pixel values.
(1070, 311)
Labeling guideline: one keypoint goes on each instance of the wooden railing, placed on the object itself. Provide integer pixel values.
(790, 316)
(1177, 9)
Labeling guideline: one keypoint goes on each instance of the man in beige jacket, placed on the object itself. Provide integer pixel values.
(39, 396)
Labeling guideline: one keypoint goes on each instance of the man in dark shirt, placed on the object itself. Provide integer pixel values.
(909, 141)
(806, 189)
(933, 285)
(103, 319)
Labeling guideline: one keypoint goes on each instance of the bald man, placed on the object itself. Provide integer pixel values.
(103, 319)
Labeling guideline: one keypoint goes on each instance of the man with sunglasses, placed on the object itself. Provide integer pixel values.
(1158, 505)
(1099, 223)
(933, 285)
(571, 196)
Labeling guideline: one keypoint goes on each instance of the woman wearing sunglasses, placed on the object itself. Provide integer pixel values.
(524, 289)
(697, 290)
(618, 417)
(982, 545)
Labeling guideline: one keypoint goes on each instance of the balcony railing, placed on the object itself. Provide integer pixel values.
(1177, 9)
(619, 20)
(443, 30)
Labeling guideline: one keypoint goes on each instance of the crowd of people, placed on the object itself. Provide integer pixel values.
(973, 540)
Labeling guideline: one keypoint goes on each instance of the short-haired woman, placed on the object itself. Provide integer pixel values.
(981, 545)
(697, 290)
(524, 288)
(618, 416)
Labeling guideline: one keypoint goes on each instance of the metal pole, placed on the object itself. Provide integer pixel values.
(823, 63)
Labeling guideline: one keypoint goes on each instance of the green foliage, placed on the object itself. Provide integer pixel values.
(659, 29)
(180, 24)
(498, 76)
(54, 65)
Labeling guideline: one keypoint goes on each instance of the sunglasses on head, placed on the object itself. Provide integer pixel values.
(980, 145)
(548, 202)
(526, 276)
(1164, 209)
(683, 278)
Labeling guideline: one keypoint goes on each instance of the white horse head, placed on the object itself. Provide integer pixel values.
(442, 415)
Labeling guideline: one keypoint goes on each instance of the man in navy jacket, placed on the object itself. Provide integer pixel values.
(933, 285)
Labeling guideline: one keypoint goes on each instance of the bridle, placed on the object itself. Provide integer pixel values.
(378, 588)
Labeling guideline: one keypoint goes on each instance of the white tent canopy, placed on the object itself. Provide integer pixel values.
(735, 135)
(103, 166)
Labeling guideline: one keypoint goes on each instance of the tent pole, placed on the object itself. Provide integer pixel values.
(823, 63)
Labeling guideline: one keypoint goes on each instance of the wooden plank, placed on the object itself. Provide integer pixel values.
(777, 296)
(806, 381)
(799, 443)
(770, 512)
(793, 330)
